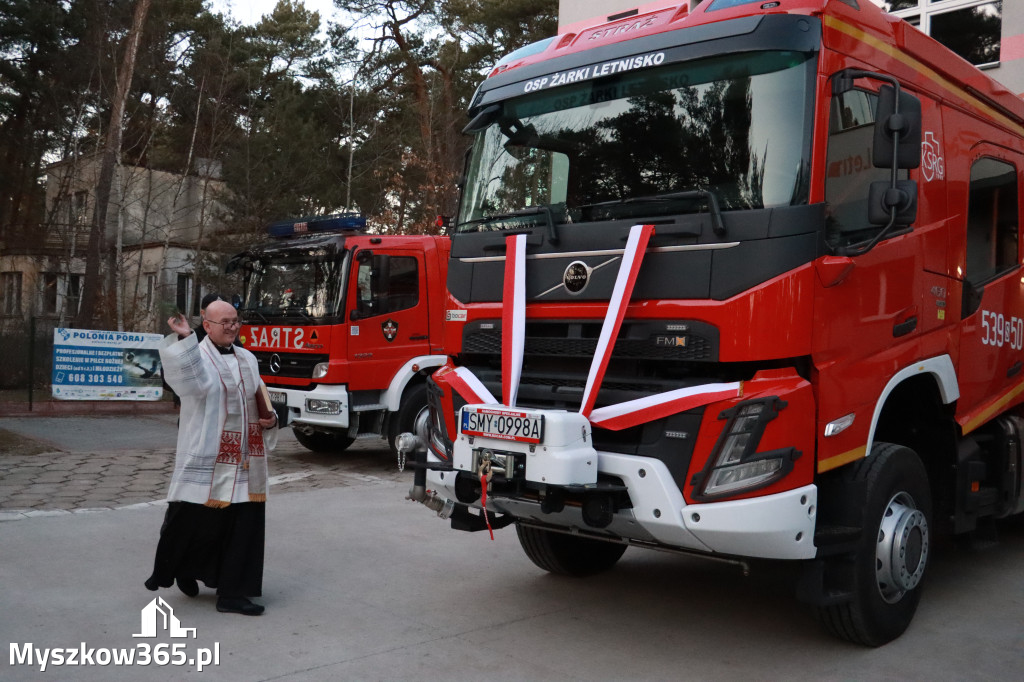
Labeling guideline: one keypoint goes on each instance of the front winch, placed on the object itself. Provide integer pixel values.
(547, 447)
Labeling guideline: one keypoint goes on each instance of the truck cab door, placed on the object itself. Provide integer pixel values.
(388, 321)
(992, 312)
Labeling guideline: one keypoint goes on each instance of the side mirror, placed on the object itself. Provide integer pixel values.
(891, 120)
(883, 198)
(483, 119)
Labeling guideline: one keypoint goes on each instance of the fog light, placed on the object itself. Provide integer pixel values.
(317, 406)
(735, 465)
(320, 370)
(746, 475)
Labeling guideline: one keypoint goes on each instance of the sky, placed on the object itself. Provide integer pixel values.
(250, 11)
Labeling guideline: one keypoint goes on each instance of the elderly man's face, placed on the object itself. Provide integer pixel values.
(221, 323)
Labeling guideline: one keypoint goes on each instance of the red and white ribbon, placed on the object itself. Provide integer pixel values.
(649, 408)
(611, 417)
(513, 318)
(636, 246)
(466, 384)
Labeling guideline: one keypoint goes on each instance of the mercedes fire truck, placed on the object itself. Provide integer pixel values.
(346, 327)
(741, 280)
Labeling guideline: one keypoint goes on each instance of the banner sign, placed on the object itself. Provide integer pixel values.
(101, 365)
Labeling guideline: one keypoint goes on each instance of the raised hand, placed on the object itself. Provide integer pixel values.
(179, 325)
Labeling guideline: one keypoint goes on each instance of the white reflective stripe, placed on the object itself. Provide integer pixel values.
(478, 393)
(623, 289)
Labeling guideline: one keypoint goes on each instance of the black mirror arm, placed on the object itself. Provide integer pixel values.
(852, 252)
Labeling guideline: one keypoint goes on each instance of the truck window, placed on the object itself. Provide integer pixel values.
(403, 284)
(849, 170)
(608, 148)
(992, 216)
(398, 288)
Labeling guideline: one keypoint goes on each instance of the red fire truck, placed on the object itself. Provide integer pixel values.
(741, 280)
(346, 327)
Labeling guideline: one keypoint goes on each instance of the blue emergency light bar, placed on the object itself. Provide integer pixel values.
(334, 222)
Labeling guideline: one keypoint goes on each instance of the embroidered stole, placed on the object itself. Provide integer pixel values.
(241, 448)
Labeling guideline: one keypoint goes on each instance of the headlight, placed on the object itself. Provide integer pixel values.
(734, 465)
(320, 370)
(317, 406)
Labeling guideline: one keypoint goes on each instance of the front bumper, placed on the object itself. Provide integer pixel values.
(776, 526)
(297, 401)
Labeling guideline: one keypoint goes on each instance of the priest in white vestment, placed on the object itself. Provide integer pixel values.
(214, 527)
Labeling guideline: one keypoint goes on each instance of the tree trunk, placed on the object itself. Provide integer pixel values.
(90, 291)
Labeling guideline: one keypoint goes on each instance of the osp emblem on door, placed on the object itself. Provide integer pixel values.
(390, 329)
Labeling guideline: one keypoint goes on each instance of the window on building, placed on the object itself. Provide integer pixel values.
(971, 28)
(10, 293)
(183, 297)
(991, 221)
(49, 282)
(71, 208)
(150, 290)
(59, 293)
(73, 295)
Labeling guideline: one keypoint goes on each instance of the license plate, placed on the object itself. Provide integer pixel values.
(278, 398)
(513, 425)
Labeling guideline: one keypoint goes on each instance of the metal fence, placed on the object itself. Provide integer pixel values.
(26, 354)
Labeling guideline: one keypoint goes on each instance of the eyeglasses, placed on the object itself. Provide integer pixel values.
(227, 324)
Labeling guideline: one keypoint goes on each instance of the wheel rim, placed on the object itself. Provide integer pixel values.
(902, 550)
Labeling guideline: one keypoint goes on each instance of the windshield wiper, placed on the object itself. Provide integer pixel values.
(254, 311)
(533, 210)
(300, 311)
(713, 209)
(717, 225)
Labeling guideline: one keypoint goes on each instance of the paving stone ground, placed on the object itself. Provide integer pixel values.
(52, 465)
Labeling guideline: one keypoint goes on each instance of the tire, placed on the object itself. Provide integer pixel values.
(322, 441)
(413, 416)
(888, 567)
(564, 554)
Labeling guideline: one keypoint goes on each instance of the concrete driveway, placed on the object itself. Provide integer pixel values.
(363, 585)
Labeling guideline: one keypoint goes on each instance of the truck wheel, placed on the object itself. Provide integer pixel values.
(568, 554)
(889, 565)
(413, 416)
(321, 441)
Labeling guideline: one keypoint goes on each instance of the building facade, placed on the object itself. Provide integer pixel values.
(156, 222)
(987, 33)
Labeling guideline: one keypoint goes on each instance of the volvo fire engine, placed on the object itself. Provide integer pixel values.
(741, 280)
(345, 327)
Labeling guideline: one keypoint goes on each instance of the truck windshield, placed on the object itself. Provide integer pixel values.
(302, 283)
(651, 142)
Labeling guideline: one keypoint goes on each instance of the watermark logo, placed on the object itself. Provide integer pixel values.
(157, 615)
(157, 618)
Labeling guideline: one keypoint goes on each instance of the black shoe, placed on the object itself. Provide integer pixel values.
(238, 605)
(151, 584)
(188, 586)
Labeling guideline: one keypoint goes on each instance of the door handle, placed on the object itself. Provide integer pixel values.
(903, 328)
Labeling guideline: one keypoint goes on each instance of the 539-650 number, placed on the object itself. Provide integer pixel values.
(1000, 330)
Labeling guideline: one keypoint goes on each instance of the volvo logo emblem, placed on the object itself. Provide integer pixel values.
(275, 363)
(576, 277)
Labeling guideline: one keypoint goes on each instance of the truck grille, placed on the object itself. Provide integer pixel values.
(293, 365)
(645, 340)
